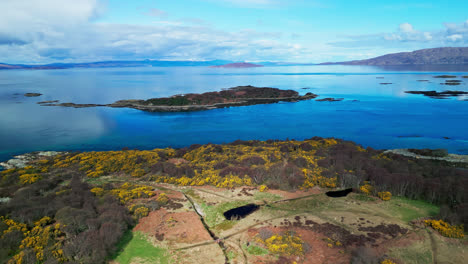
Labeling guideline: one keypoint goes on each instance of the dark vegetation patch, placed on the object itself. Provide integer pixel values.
(228, 95)
(347, 238)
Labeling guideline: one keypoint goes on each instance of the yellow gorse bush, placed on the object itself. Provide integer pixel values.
(366, 188)
(97, 164)
(29, 178)
(162, 198)
(98, 191)
(262, 188)
(385, 196)
(286, 244)
(446, 229)
(141, 212)
(129, 191)
(13, 226)
(44, 235)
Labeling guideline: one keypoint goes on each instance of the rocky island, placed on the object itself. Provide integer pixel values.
(438, 95)
(237, 96)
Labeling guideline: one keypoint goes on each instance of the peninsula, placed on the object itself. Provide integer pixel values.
(237, 96)
(435, 56)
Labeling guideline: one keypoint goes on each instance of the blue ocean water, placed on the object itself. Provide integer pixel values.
(371, 114)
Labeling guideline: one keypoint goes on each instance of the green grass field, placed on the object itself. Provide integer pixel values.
(411, 209)
(135, 247)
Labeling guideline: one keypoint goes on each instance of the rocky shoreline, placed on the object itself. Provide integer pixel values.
(21, 161)
(456, 158)
(237, 96)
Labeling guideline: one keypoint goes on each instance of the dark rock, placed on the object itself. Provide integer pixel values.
(48, 102)
(438, 95)
(445, 76)
(329, 99)
(32, 94)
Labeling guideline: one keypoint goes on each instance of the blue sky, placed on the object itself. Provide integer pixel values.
(44, 31)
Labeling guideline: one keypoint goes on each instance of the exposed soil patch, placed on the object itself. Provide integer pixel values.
(347, 238)
(316, 250)
(180, 227)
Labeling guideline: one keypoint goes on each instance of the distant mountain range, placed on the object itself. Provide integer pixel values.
(436, 56)
(110, 64)
(238, 65)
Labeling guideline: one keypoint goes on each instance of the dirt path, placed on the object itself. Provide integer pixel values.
(215, 238)
(213, 193)
(433, 247)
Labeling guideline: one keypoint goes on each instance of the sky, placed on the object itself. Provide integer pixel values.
(306, 31)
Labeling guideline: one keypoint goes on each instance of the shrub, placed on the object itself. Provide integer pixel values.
(366, 189)
(98, 191)
(385, 196)
(262, 188)
(29, 178)
(286, 244)
(162, 198)
(446, 229)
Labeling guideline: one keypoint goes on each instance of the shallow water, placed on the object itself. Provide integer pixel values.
(382, 117)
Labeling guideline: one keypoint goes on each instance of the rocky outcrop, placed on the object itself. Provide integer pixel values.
(22, 161)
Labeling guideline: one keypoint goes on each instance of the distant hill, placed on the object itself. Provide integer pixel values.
(110, 64)
(448, 55)
(238, 65)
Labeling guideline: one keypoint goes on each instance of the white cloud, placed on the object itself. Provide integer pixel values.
(455, 37)
(406, 28)
(67, 32)
(250, 3)
(154, 12)
(407, 37)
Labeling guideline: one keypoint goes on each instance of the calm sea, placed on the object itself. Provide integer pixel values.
(371, 114)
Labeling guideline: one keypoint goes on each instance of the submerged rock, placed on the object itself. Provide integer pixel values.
(330, 99)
